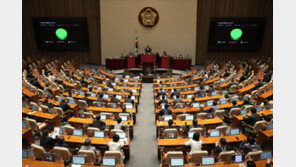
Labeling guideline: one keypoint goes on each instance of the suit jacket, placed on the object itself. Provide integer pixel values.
(98, 124)
(165, 112)
(128, 100)
(162, 101)
(46, 142)
(251, 120)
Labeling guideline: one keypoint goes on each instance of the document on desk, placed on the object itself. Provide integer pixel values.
(56, 132)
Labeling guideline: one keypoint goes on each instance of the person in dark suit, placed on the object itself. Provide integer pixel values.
(178, 99)
(161, 92)
(170, 124)
(114, 99)
(61, 142)
(45, 141)
(194, 125)
(101, 99)
(129, 99)
(251, 120)
(223, 146)
(98, 123)
(250, 145)
(165, 111)
(162, 100)
(201, 92)
(64, 105)
(259, 84)
(175, 93)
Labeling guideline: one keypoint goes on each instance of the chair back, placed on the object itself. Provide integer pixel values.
(226, 156)
(113, 105)
(89, 155)
(68, 129)
(180, 105)
(44, 108)
(234, 111)
(89, 115)
(91, 130)
(173, 154)
(61, 153)
(198, 130)
(125, 114)
(222, 129)
(59, 111)
(33, 125)
(182, 117)
(254, 155)
(82, 104)
(202, 115)
(196, 156)
(171, 133)
(259, 125)
(219, 113)
(37, 151)
(114, 154)
(113, 132)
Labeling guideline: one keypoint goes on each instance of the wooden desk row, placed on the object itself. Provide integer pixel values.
(220, 164)
(197, 99)
(236, 121)
(177, 87)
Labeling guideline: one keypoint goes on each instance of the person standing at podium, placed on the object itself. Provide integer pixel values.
(148, 50)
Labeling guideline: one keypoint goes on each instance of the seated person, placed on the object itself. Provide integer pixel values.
(175, 93)
(87, 146)
(98, 123)
(215, 106)
(161, 92)
(165, 111)
(119, 124)
(194, 125)
(64, 105)
(170, 123)
(250, 145)
(129, 100)
(201, 92)
(114, 99)
(101, 99)
(194, 143)
(45, 141)
(222, 147)
(234, 105)
(162, 100)
(252, 119)
(116, 144)
(61, 142)
(178, 100)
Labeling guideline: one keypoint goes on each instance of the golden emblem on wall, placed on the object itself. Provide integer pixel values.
(148, 17)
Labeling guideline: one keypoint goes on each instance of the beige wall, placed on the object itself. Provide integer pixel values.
(175, 31)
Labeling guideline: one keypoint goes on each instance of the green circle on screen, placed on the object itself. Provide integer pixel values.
(236, 34)
(61, 33)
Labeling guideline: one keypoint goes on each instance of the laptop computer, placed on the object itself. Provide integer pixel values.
(223, 101)
(78, 160)
(207, 87)
(224, 91)
(35, 108)
(129, 106)
(238, 158)
(105, 96)
(177, 162)
(121, 135)
(234, 132)
(123, 117)
(82, 93)
(266, 155)
(71, 101)
(244, 112)
(50, 157)
(196, 88)
(99, 134)
(189, 96)
(113, 84)
(93, 94)
(110, 89)
(134, 90)
(99, 88)
(215, 133)
(109, 162)
(25, 154)
(78, 132)
(214, 93)
(209, 103)
(235, 99)
(133, 97)
(259, 109)
(269, 126)
(119, 97)
(208, 160)
(189, 117)
(167, 117)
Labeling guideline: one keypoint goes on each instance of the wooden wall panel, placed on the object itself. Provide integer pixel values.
(63, 8)
(207, 9)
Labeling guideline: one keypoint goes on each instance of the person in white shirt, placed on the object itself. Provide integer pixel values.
(194, 143)
(116, 144)
(119, 124)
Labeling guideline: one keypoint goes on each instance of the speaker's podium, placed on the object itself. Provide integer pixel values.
(146, 58)
(131, 62)
(165, 62)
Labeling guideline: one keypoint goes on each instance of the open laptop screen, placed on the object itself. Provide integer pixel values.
(108, 162)
(208, 161)
(123, 117)
(189, 117)
(177, 162)
(121, 135)
(215, 133)
(78, 132)
(129, 106)
(79, 160)
(167, 117)
(237, 158)
(234, 132)
(99, 134)
(270, 126)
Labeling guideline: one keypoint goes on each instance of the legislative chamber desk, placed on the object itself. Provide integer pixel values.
(27, 134)
(237, 119)
(208, 123)
(89, 121)
(178, 144)
(32, 96)
(181, 64)
(52, 119)
(100, 143)
(30, 162)
(265, 137)
(221, 164)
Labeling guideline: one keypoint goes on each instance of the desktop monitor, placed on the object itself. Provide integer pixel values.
(24, 125)
(265, 155)
(113, 84)
(82, 93)
(119, 97)
(167, 117)
(234, 132)
(195, 105)
(215, 133)
(244, 112)
(125, 80)
(189, 117)
(210, 160)
(104, 82)
(99, 134)
(59, 99)
(99, 88)
(49, 157)
(108, 162)
(207, 87)
(223, 102)
(129, 106)
(259, 109)
(25, 153)
(177, 162)
(77, 132)
(89, 86)
(61, 131)
(209, 103)
(35, 108)
(214, 93)
(134, 90)
(71, 102)
(81, 115)
(238, 159)
(235, 99)
(270, 126)
(121, 135)
(116, 79)
(127, 76)
(103, 117)
(78, 160)
(189, 96)
(110, 89)
(224, 92)
(190, 134)
(123, 117)
(196, 88)
(133, 97)
(105, 96)
(93, 94)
